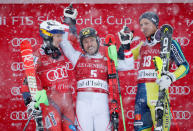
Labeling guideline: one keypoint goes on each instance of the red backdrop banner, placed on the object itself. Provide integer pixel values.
(19, 21)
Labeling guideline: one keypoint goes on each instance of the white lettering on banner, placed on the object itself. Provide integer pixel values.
(179, 90)
(147, 74)
(16, 91)
(118, 21)
(22, 20)
(181, 115)
(18, 115)
(131, 89)
(183, 41)
(93, 83)
(17, 41)
(91, 20)
(57, 74)
(17, 66)
(2, 20)
(189, 22)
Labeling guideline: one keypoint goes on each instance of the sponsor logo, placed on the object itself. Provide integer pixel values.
(138, 123)
(53, 118)
(179, 90)
(182, 115)
(18, 115)
(175, 51)
(131, 89)
(183, 41)
(15, 91)
(17, 66)
(174, 90)
(130, 114)
(15, 42)
(92, 83)
(57, 74)
(147, 74)
(28, 58)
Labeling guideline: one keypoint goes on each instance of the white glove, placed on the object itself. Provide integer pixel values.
(31, 110)
(70, 13)
(125, 35)
(166, 80)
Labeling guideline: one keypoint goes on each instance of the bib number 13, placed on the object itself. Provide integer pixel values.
(146, 61)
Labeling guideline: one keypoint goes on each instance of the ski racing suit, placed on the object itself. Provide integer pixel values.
(92, 88)
(148, 89)
(53, 76)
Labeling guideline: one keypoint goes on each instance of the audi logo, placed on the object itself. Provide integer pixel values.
(18, 115)
(69, 66)
(182, 115)
(131, 89)
(174, 90)
(17, 41)
(17, 66)
(15, 91)
(130, 114)
(183, 41)
(58, 73)
(179, 90)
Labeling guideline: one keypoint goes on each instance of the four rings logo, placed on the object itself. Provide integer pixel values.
(19, 115)
(15, 91)
(174, 90)
(59, 73)
(130, 114)
(131, 89)
(182, 115)
(17, 66)
(183, 41)
(17, 41)
(179, 90)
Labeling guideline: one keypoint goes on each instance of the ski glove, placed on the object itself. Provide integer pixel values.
(165, 81)
(70, 15)
(125, 35)
(70, 12)
(31, 110)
